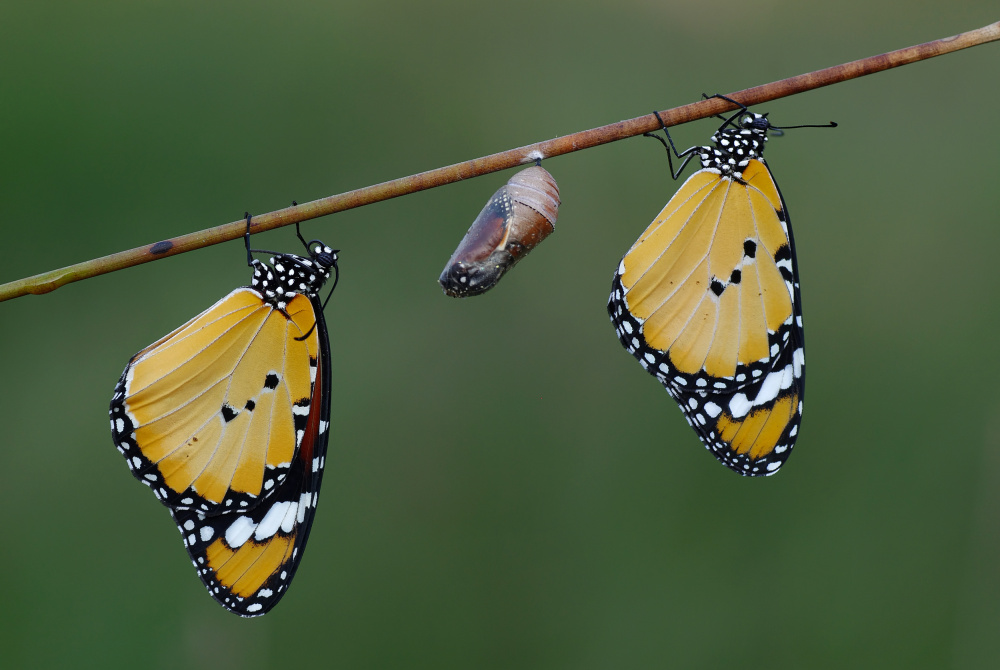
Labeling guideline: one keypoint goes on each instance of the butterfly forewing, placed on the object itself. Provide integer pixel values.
(209, 412)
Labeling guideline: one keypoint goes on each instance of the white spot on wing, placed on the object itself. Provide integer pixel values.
(239, 531)
(288, 523)
(787, 377)
(269, 525)
(739, 406)
(769, 389)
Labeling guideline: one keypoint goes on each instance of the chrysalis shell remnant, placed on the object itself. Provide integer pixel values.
(518, 216)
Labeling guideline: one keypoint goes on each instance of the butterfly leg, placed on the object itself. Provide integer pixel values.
(687, 154)
(706, 96)
(728, 121)
(246, 239)
(299, 232)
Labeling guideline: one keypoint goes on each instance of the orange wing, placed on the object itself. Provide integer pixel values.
(708, 301)
(210, 417)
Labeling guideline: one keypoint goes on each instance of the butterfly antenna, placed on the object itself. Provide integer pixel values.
(832, 124)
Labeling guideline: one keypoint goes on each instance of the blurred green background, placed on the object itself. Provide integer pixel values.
(506, 487)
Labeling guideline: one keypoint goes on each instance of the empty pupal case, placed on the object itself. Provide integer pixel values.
(520, 214)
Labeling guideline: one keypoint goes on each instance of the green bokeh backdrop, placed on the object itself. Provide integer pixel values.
(506, 488)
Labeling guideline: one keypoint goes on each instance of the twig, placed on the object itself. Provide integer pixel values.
(49, 281)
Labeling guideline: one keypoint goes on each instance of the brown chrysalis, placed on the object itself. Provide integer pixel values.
(518, 216)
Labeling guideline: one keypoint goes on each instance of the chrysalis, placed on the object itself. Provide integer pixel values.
(518, 216)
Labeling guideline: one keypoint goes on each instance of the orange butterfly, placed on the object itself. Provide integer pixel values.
(708, 301)
(227, 420)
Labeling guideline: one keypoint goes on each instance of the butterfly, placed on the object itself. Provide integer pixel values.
(227, 420)
(708, 300)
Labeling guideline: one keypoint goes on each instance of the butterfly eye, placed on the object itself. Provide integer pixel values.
(514, 221)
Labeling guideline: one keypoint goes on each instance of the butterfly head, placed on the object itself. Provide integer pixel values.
(754, 122)
(323, 256)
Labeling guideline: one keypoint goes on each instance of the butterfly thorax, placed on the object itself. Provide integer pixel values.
(734, 148)
(289, 274)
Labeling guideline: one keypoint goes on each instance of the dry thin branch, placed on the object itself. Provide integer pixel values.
(50, 281)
